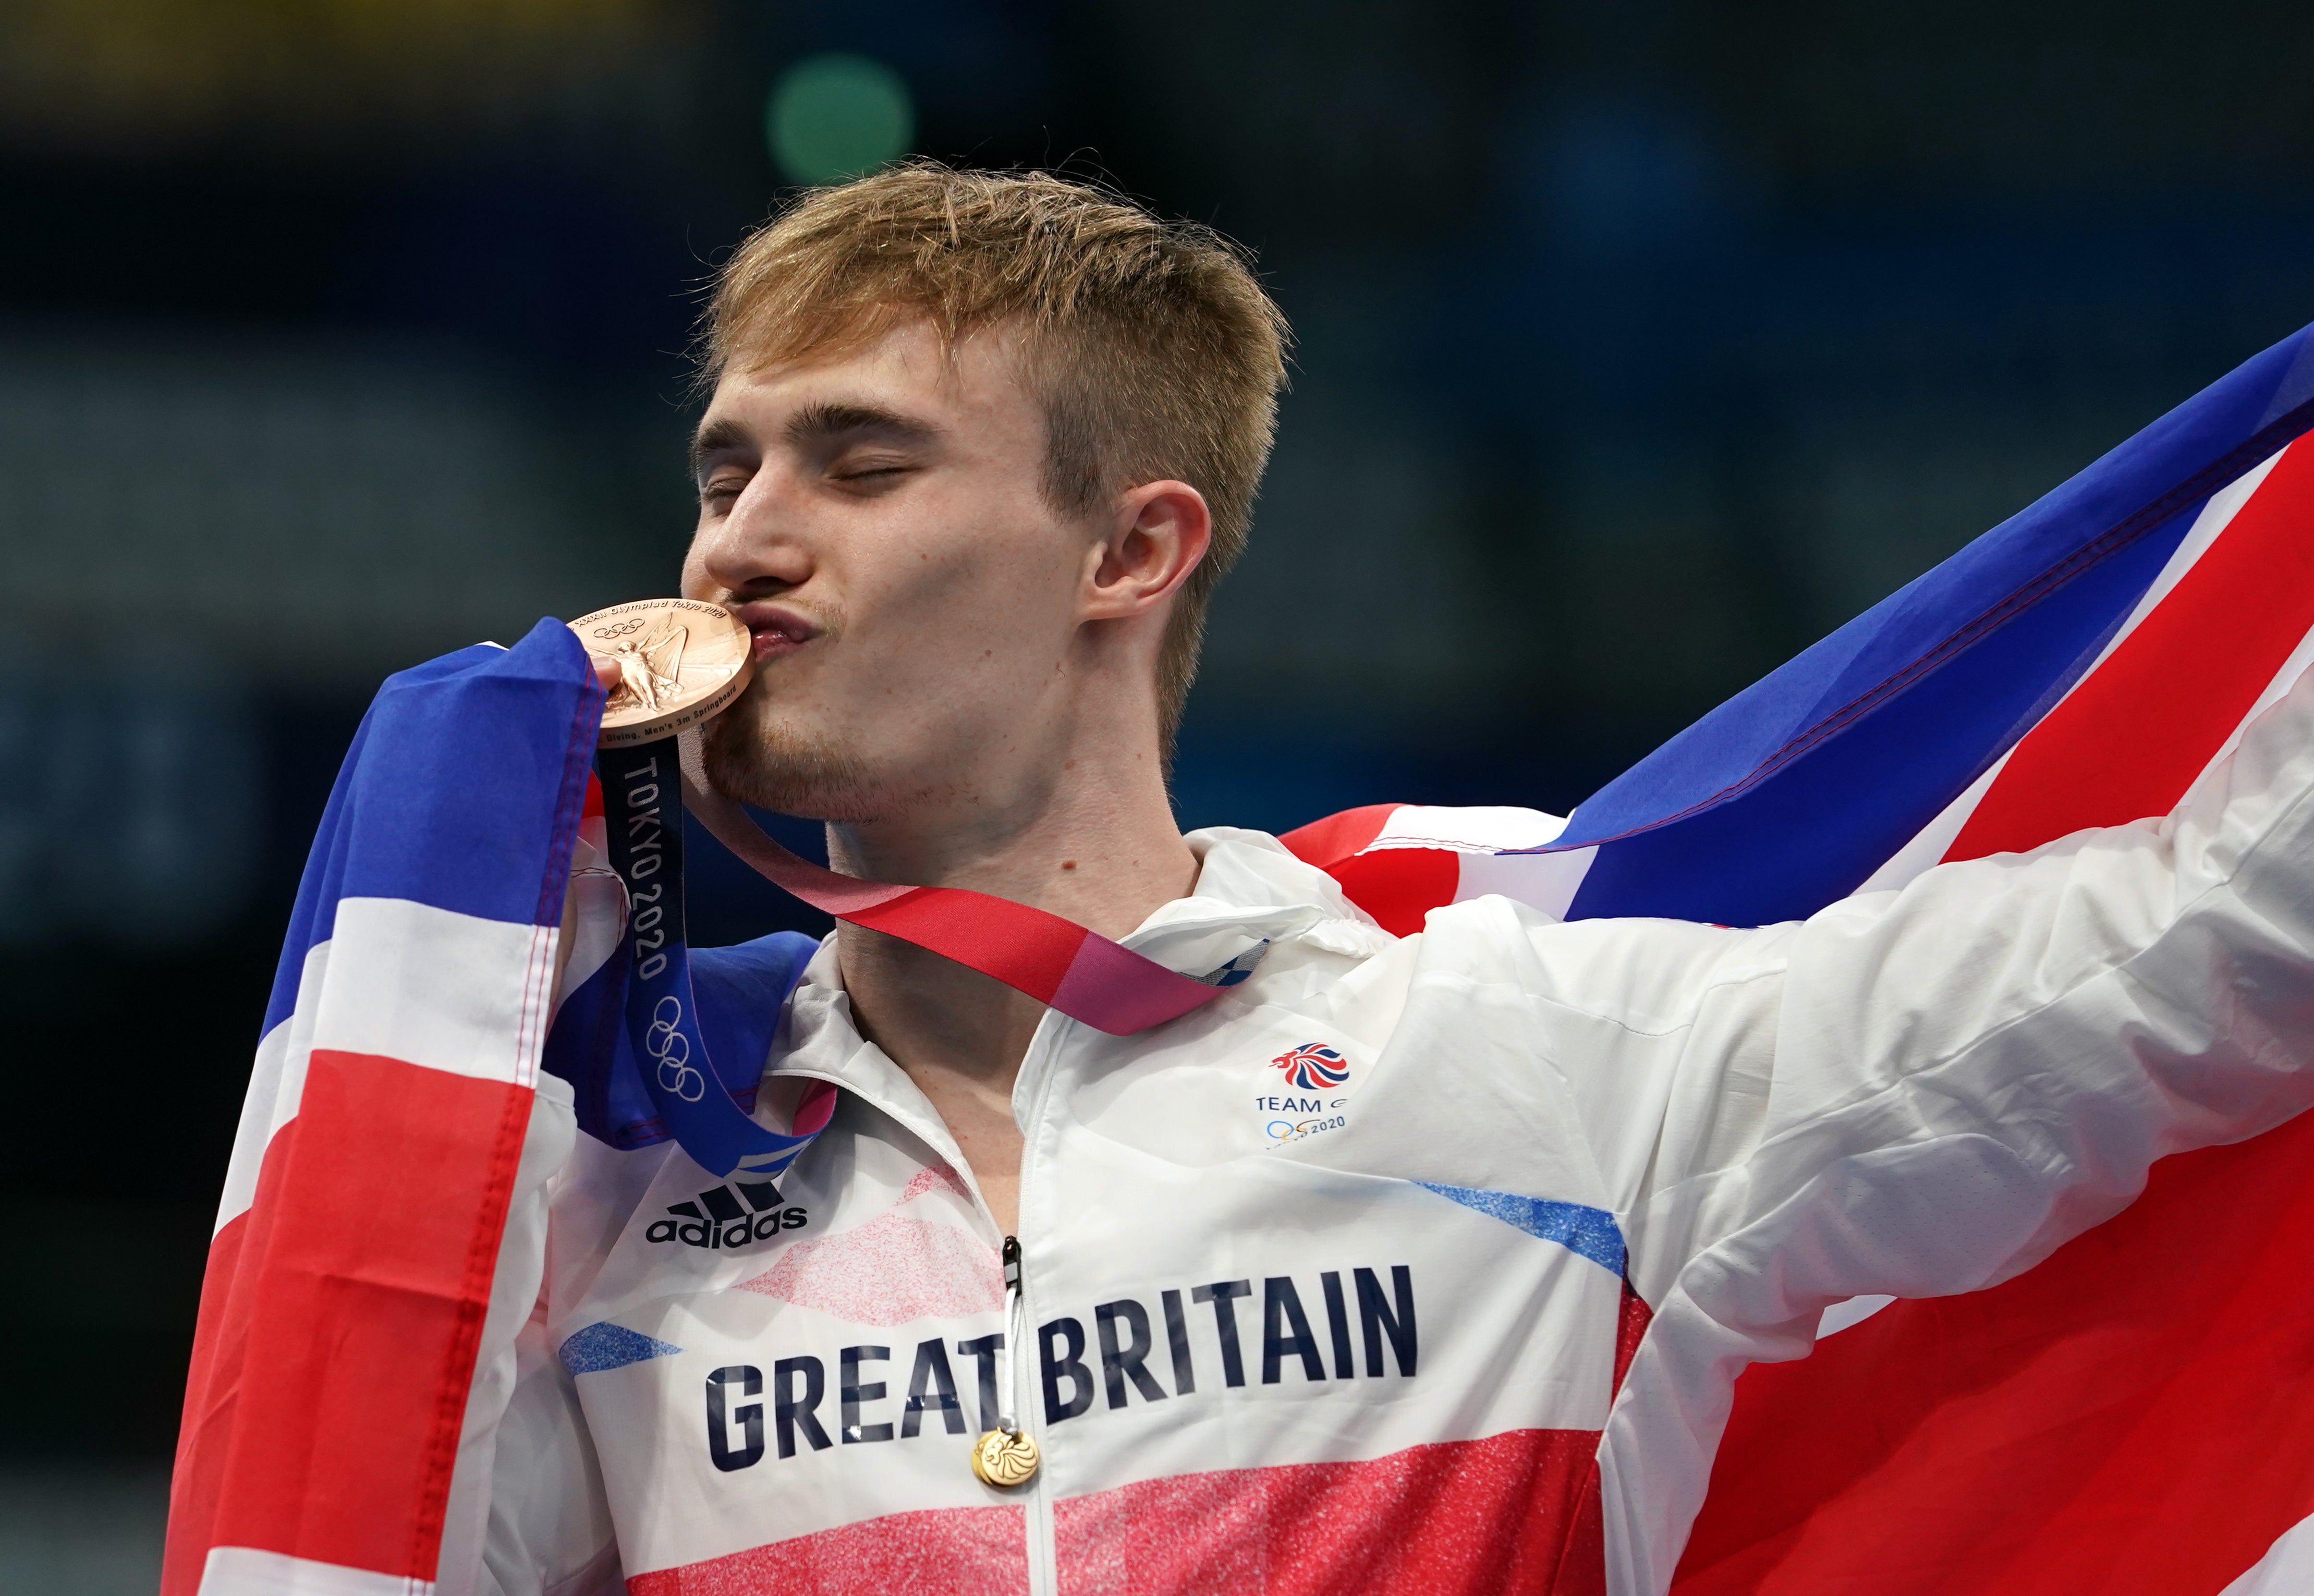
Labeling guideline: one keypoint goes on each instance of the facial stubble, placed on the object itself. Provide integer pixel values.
(757, 755)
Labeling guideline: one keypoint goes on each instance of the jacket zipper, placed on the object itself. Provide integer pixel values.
(1016, 1331)
(1044, 1576)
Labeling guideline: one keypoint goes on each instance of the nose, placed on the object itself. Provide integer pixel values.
(757, 550)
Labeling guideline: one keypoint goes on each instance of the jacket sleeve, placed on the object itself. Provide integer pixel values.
(550, 1531)
(1926, 1091)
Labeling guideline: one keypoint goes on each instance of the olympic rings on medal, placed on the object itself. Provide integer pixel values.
(672, 1049)
(621, 630)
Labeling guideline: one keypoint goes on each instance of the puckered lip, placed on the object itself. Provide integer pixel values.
(776, 629)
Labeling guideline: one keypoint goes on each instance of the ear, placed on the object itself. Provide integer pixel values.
(1158, 532)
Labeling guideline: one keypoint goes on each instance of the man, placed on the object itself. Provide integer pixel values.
(1329, 1283)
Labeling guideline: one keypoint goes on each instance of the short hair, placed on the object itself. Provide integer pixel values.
(1152, 348)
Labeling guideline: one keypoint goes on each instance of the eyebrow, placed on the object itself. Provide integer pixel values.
(717, 438)
(814, 422)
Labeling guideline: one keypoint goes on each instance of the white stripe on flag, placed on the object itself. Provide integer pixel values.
(2301, 658)
(1480, 834)
(2287, 1569)
(427, 986)
(435, 988)
(1840, 1316)
(2216, 516)
(1544, 881)
(244, 1571)
(276, 1084)
(1928, 848)
(1482, 828)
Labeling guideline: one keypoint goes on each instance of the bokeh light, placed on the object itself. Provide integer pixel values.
(836, 116)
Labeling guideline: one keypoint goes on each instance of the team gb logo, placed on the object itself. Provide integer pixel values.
(1313, 1067)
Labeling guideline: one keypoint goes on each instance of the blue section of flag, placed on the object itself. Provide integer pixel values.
(1588, 1232)
(607, 1345)
(462, 791)
(741, 993)
(1792, 793)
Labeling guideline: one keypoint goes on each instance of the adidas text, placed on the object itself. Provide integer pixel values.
(717, 1221)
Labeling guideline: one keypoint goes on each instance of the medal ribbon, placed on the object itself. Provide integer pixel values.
(1056, 961)
(1086, 977)
(642, 825)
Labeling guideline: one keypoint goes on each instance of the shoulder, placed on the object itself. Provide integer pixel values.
(1640, 973)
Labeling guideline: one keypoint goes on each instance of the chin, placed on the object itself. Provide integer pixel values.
(758, 756)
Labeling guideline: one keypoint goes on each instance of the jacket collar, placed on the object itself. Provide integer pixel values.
(1250, 895)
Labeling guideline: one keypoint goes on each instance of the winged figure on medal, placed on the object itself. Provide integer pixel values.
(648, 667)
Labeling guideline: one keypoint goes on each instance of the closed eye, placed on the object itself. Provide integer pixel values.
(718, 492)
(871, 477)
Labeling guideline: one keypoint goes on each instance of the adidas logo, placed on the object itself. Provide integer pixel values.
(716, 1220)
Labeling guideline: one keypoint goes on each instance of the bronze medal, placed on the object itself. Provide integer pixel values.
(1004, 1458)
(681, 662)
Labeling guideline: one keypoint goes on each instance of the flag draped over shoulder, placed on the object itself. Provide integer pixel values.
(2136, 1412)
(382, 1237)
(355, 1308)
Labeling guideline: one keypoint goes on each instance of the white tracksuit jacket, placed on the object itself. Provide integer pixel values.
(1279, 1331)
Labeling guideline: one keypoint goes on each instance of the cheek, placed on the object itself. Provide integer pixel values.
(1002, 584)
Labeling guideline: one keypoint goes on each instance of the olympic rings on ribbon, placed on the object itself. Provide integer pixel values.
(672, 1049)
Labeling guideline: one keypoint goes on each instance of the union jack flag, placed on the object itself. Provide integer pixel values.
(2130, 1415)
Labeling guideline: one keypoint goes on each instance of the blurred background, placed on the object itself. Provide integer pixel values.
(1641, 344)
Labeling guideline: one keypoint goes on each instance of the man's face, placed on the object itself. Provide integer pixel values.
(877, 521)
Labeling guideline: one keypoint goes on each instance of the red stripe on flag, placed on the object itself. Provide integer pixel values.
(1329, 841)
(2129, 740)
(205, 1434)
(2134, 1418)
(332, 1371)
(1517, 1512)
(1400, 885)
(2134, 1415)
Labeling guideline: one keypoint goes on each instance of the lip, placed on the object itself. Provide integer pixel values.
(775, 628)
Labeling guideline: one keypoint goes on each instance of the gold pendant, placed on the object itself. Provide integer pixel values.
(1004, 1458)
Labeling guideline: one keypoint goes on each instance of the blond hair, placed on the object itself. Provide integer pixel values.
(1152, 349)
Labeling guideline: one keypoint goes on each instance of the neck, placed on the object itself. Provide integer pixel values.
(1089, 836)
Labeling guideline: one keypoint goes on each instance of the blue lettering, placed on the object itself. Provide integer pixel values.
(854, 1395)
(1219, 1294)
(1376, 1319)
(748, 1417)
(1281, 1311)
(1070, 1363)
(796, 1409)
(931, 1387)
(983, 1351)
(1121, 1363)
